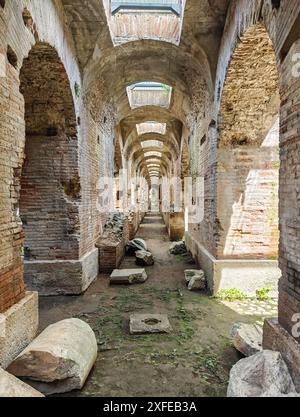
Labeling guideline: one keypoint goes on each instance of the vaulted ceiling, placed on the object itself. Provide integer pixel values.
(108, 69)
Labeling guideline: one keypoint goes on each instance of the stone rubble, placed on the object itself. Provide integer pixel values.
(144, 258)
(135, 245)
(247, 338)
(114, 227)
(195, 279)
(178, 248)
(264, 374)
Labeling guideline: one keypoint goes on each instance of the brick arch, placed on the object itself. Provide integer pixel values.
(248, 151)
(50, 186)
(250, 97)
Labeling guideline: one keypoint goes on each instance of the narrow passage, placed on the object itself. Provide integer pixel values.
(193, 360)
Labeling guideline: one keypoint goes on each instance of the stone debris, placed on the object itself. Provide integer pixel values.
(178, 248)
(10, 386)
(195, 279)
(149, 323)
(128, 276)
(136, 245)
(247, 338)
(114, 227)
(144, 258)
(264, 374)
(59, 359)
(197, 283)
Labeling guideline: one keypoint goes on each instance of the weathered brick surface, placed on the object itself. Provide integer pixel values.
(51, 102)
(278, 23)
(289, 298)
(248, 154)
(110, 255)
(50, 183)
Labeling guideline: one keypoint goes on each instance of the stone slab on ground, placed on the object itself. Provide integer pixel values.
(59, 359)
(149, 323)
(262, 375)
(247, 338)
(10, 387)
(128, 276)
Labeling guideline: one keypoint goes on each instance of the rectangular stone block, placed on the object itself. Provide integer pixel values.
(21, 324)
(110, 255)
(62, 277)
(149, 323)
(128, 276)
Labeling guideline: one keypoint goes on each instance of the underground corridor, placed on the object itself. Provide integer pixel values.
(193, 360)
(149, 198)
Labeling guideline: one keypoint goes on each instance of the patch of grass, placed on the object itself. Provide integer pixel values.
(161, 293)
(210, 362)
(77, 89)
(209, 365)
(128, 301)
(231, 294)
(263, 294)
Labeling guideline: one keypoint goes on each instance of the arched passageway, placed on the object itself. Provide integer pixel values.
(145, 94)
(248, 151)
(50, 184)
(248, 166)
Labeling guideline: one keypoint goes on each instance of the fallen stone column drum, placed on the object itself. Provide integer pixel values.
(59, 359)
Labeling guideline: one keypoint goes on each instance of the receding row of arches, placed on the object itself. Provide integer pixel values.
(233, 143)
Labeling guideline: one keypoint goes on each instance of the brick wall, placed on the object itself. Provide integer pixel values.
(279, 23)
(289, 295)
(248, 152)
(50, 183)
(48, 25)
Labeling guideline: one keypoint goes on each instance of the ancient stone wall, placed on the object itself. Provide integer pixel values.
(248, 151)
(279, 23)
(50, 183)
(65, 149)
(289, 294)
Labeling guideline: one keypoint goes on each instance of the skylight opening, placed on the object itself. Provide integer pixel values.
(149, 94)
(132, 20)
(151, 127)
(149, 154)
(155, 160)
(149, 6)
(152, 144)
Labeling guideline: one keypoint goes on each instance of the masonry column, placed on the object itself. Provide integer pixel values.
(283, 334)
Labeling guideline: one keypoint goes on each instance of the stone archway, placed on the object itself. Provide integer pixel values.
(50, 184)
(248, 166)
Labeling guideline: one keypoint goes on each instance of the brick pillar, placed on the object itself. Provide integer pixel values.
(12, 153)
(289, 256)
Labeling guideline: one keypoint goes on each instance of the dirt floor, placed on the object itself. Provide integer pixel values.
(193, 360)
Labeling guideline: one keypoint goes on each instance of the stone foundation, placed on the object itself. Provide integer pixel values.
(245, 275)
(18, 327)
(62, 277)
(276, 338)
